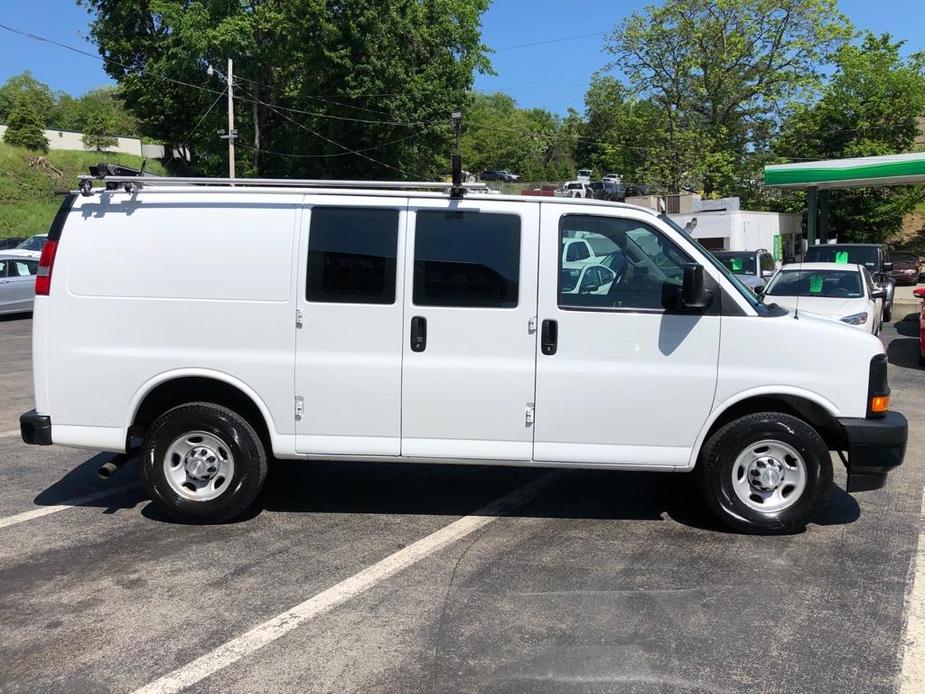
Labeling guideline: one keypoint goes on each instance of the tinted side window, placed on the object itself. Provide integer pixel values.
(466, 259)
(2, 268)
(640, 268)
(351, 255)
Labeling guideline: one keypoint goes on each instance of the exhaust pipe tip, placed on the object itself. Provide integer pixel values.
(106, 471)
(109, 468)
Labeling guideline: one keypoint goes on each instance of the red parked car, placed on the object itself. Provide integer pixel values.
(920, 293)
(905, 268)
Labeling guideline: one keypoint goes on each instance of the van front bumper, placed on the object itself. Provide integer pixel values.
(35, 428)
(875, 446)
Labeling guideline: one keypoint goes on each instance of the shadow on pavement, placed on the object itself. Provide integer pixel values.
(903, 351)
(443, 490)
(82, 481)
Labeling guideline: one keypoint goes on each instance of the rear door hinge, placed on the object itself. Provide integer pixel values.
(529, 414)
(299, 407)
(298, 318)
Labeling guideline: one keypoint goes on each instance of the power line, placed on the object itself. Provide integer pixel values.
(544, 43)
(199, 122)
(295, 155)
(336, 144)
(182, 83)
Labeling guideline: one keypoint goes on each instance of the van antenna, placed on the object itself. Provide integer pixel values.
(457, 190)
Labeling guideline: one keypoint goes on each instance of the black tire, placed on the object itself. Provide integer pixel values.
(921, 361)
(243, 443)
(717, 460)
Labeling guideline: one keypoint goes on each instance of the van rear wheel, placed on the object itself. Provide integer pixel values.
(202, 462)
(765, 473)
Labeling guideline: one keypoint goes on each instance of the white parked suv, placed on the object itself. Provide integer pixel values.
(206, 328)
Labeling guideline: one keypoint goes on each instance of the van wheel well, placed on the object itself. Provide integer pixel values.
(181, 391)
(810, 412)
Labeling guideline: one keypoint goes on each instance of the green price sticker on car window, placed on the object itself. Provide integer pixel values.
(841, 257)
(815, 284)
(736, 264)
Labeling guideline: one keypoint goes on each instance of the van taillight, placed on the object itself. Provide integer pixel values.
(46, 262)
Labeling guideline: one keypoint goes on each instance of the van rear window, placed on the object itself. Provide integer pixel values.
(351, 255)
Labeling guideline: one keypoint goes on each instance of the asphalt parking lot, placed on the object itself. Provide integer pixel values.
(577, 582)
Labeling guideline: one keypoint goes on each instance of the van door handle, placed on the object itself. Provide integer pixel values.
(418, 333)
(549, 338)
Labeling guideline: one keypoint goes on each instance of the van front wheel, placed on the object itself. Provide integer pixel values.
(202, 462)
(765, 473)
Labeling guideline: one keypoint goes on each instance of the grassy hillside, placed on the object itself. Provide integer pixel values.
(27, 199)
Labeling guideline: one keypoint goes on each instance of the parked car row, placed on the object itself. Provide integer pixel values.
(499, 175)
(17, 283)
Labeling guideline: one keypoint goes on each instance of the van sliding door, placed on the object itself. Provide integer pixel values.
(469, 336)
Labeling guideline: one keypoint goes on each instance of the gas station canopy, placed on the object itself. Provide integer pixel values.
(816, 177)
(893, 169)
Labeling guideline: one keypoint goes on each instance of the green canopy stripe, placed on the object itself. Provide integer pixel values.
(800, 174)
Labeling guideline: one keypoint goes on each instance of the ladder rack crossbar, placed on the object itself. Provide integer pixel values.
(140, 181)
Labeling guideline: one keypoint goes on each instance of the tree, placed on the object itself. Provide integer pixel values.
(870, 107)
(99, 132)
(25, 88)
(105, 103)
(26, 127)
(722, 72)
(347, 89)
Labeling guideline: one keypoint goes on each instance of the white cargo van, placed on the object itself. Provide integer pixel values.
(210, 327)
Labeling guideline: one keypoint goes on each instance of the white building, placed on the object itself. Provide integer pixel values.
(71, 140)
(743, 230)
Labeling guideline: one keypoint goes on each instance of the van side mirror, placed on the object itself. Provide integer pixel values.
(878, 293)
(759, 291)
(887, 267)
(693, 294)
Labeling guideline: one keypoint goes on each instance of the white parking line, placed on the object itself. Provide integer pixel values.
(282, 624)
(11, 432)
(912, 678)
(64, 505)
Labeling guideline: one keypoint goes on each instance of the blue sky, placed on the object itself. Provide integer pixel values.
(551, 75)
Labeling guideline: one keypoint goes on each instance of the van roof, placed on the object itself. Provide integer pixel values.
(323, 187)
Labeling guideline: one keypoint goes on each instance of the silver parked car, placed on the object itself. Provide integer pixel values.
(17, 283)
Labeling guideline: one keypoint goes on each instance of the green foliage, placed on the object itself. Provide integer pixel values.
(408, 61)
(63, 111)
(27, 90)
(27, 199)
(870, 107)
(26, 126)
(720, 72)
(531, 142)
(99, 132)
(85, 112)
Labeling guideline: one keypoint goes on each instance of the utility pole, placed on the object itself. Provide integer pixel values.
(231, 131)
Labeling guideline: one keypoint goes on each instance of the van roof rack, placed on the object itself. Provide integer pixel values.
(134, 183)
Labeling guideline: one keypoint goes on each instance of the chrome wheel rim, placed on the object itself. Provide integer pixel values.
(769, 476)
(198, 466)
